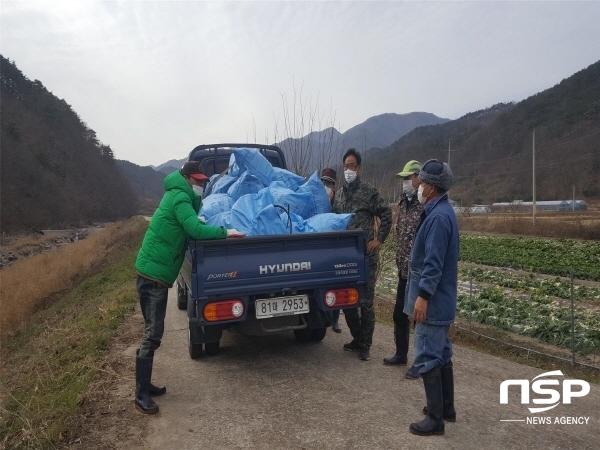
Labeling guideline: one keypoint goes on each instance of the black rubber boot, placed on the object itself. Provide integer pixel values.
(352, 346)
(433, 424)
(364, 354)
(155, 391)
(143, 374)
(447, 375)
(400, 358)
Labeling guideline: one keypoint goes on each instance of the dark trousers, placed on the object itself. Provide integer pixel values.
(153, 303)
(362, 325)
(401, 321)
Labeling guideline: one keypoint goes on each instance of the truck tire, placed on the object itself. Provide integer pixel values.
(303, 335)
(194, 347)
(212, 348)
(318, 334)
(181, 297)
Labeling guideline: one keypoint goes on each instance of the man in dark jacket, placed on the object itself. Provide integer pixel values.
(431, 296)
(158, 263)
(409, 216)
(364, 201)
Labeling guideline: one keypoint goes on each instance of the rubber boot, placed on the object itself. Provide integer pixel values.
(143, 374)
(155, 391)
(364, 354)
(447, 374)
(433, 422)
(400, 358)
(336, 325)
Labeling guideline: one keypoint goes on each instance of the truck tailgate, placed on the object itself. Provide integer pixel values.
(272, 263)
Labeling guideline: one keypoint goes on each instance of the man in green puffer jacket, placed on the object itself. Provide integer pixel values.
(158, 263)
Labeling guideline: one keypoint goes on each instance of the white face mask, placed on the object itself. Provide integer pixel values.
(198, 190)
(408, 188)
(350, 175)
(328, 189)
(422, 200)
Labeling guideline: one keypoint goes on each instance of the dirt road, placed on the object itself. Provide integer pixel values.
(273, 393)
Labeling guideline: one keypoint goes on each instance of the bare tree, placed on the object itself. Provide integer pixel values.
(309, 137)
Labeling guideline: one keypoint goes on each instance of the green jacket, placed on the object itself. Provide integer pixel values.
(171, 226)
(365, 202)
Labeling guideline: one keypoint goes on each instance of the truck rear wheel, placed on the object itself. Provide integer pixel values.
(303, 335)
(194, 347)
(212, 348)
(181, 297)
(318, 334)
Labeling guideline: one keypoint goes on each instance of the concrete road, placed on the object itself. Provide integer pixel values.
(274, 393)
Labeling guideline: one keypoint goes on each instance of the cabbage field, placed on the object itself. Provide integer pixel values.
(521, 285)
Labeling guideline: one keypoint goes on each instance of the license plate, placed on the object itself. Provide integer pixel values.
(281, 306)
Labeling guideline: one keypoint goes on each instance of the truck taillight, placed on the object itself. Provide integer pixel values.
(341, 297)
(223, 310)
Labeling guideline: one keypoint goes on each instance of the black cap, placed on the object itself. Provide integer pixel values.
(194, 169)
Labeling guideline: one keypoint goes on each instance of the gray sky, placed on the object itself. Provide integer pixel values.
(156, 78)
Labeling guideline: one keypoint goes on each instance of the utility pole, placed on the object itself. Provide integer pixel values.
(533, 173)
(448, 162)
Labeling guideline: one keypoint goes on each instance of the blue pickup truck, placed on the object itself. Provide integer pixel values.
(267, 284)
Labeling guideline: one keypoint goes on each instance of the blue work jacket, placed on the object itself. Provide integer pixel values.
(433, 265)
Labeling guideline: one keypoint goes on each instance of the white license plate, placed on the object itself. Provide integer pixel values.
(281, 306)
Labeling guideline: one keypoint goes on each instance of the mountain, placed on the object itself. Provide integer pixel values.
(145, 181)
(324, 148)
(171, 165)
(491, 151)
(168, 169)
(319, 149)
(54, 171)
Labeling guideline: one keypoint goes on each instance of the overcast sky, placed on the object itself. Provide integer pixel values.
(156, 78)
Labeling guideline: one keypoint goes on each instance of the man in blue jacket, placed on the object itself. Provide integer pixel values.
(431, 295)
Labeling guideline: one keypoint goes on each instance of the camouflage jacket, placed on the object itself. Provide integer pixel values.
(409, 216)
(364, 201)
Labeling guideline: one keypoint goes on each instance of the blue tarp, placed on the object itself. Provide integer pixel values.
(258, 199)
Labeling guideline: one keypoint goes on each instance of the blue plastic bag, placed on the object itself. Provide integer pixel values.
(327, 222)
(245, 184)
(215, 204)
(297, 202)
(221, 185)
(291, 180)
(255, 163)
(319, 199)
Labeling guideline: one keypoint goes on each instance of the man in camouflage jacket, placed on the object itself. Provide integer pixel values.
(409, 216)
(366, 204)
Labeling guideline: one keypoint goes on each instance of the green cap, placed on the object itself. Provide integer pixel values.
(411, 167)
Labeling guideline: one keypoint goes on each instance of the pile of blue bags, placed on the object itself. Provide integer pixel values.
(258, 199)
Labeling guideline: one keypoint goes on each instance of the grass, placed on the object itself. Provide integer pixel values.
(32, 283)
(47, 366)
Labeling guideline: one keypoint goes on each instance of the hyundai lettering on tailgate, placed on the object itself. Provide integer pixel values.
(286, 267)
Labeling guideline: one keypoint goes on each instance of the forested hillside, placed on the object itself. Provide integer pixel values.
(54, 170)
(491, 151)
